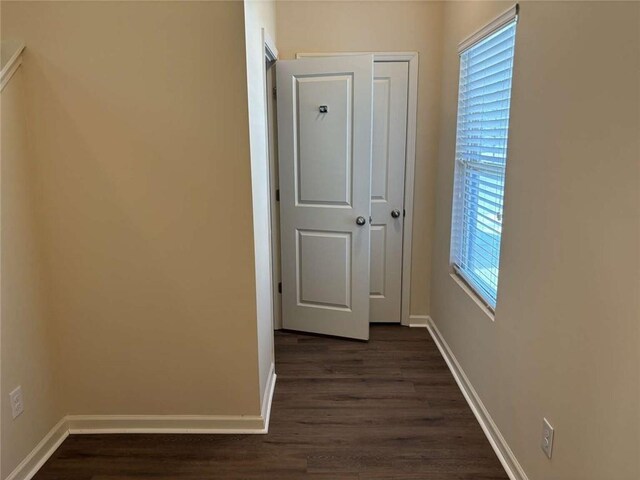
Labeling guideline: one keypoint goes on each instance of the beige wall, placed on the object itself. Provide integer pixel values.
(27, 340)
(384, 26)
(260, 15)
(139, 126)
(565, 341)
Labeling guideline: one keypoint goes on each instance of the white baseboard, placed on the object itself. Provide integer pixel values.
(103, 424)
(497, 441)
(205, 424)
(39, 455)
(419, 321)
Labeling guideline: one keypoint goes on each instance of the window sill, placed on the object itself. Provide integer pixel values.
(474, 296)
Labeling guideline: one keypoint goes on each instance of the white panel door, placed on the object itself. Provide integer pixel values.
(390, 91)
(324, 147)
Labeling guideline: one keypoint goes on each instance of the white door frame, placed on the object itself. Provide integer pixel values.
(270, 57)
(270, 50)
(410, 161)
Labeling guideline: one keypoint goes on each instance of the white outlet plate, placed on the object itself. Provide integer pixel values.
(547, 437)
(17, 403)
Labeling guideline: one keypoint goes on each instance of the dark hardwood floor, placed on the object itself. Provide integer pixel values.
(343, 410)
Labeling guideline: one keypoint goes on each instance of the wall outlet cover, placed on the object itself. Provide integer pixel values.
(547, 437)
(17, 403)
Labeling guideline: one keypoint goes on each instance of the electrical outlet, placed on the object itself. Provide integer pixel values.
(17, 403)
(547, 437)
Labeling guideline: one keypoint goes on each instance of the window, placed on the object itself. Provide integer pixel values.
(486, 67)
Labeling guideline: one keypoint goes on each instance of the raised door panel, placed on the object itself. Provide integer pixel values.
(380, 152)
(323, 109)
(324, 269)
(378, 254)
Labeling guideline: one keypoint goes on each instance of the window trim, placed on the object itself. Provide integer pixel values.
(497, 23)
(473, 295)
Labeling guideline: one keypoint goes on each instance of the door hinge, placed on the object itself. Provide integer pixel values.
(274, 93)
(277, 195)
(279, 287)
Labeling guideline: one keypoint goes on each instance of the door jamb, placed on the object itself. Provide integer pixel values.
(270, 50)
(410, 161)
(270, 57)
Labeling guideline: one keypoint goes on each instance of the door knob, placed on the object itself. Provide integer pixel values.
(395, 213)
(361, 221)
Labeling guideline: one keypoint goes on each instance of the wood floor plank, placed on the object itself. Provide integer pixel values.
(343, 410)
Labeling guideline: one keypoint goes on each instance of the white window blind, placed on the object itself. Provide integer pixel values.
(484, 96)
